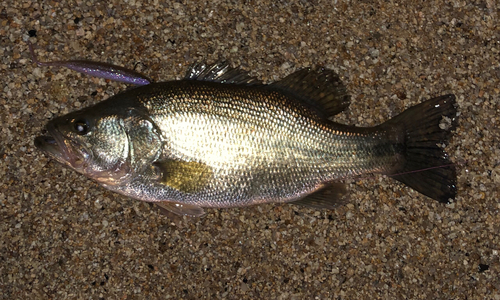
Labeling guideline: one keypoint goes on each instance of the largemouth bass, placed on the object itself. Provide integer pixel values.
(220, 138)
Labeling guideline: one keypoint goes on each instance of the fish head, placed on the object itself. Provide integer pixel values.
(91, 142)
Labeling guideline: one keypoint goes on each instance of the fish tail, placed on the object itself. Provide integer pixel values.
(426, 167)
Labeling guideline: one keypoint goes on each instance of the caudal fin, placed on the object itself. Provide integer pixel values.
(427, 167)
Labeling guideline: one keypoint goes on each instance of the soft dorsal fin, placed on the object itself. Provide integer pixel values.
(319, 88)
(220, 72)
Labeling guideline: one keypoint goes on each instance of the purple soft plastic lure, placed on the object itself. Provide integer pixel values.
(97, 69)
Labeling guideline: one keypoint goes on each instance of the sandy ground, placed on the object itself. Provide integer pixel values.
(65, 237)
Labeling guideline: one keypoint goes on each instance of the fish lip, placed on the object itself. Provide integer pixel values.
(62, 148)
(47, 144)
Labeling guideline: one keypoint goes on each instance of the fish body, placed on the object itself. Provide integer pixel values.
(220, 138)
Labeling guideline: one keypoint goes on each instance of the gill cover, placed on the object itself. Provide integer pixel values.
(106, 145)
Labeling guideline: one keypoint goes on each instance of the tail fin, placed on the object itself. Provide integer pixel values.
(426, 125)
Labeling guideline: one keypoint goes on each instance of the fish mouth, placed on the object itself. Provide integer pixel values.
(62, 149)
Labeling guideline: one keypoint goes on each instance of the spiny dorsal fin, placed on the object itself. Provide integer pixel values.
(220, 72)
(330, 196)
(320, 88)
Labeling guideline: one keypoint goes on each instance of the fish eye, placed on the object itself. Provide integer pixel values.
(81, 127)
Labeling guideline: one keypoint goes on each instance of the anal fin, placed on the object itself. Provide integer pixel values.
(330, 196)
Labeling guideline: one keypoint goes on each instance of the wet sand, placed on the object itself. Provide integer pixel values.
(65, 237)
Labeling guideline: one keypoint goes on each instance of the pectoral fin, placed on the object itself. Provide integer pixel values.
(184, 176)
(330, 196)
(181, 208)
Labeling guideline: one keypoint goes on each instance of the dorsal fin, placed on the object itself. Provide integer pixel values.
(220, 72)
(320, 88)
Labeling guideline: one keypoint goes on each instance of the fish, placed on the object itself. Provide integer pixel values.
(220, 138)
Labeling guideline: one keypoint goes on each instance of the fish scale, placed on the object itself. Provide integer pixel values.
(256, 129)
